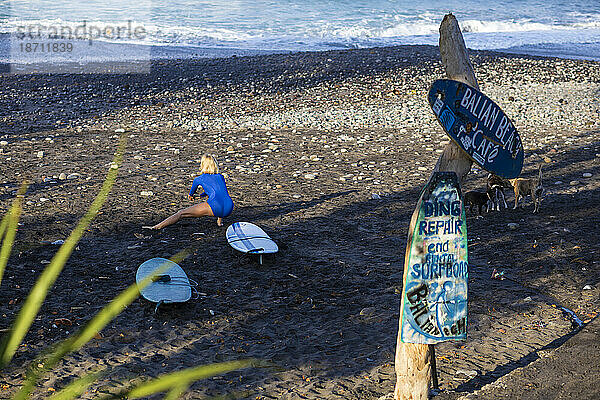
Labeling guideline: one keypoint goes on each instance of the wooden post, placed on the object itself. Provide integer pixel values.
(458, 67)
(413, 362)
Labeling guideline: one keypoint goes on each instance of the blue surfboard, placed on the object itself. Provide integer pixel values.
(478, 125)
(170, 286)
(251, 239)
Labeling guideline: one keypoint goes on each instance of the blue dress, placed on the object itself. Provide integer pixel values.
(218, 198)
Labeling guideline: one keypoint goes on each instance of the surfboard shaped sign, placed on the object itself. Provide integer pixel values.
(478, 126)
(434, 303)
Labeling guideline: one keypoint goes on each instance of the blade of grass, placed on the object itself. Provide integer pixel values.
(77, 387)
(3, 224)
(47, 361)
(176, 392)
(39, 291)
(179, 378)
(230, 396)
(9, 227)
(115, 307)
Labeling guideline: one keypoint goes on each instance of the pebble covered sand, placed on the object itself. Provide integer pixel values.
(327, 152)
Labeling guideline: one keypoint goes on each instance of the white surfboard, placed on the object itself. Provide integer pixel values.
(249, 238)
(170, 286)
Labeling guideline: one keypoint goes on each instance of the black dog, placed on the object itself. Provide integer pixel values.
(474, 198)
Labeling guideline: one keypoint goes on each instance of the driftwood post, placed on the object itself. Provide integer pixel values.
(413, 362)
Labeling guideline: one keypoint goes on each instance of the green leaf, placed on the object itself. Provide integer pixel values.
(118, 304)
(8, 228)
(95, 325)
(3, 224)
(38, 293)
(77, 387)
(176, 392)
(176, 380)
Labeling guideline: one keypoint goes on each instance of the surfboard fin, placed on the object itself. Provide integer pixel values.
(161, 278)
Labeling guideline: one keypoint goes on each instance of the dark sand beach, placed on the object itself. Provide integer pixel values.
(305, 140)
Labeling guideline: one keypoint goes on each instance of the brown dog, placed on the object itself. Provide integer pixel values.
(529, 186)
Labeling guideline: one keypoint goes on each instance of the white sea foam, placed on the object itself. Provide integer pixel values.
(200, 35)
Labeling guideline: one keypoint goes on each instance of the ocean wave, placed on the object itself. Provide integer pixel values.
(179, 34)
(325, 35)
(476, 26)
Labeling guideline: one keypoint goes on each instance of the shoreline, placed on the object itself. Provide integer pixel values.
(181, 54)
(305, 140)
(115, 52)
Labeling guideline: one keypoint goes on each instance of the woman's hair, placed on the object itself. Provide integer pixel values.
(208, 165)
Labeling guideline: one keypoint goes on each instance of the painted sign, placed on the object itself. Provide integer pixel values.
(478, 126)
(434, 303)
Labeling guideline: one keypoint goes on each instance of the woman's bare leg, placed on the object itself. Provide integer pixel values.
(220, 221)
(198, 210)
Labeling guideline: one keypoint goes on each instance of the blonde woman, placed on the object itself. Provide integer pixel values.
(219, 204)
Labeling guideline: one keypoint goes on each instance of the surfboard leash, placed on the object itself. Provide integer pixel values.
(158, 305)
